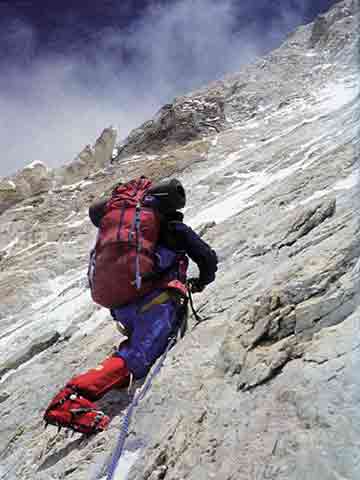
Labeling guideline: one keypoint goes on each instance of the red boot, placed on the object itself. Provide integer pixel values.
(73, 408)
(93, 384)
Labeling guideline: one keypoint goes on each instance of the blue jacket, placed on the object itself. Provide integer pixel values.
(180, 237)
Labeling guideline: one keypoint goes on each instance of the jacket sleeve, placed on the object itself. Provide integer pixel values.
(97, 211)
(198, 250)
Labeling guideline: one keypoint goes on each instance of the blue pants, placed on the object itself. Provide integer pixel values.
(149, 328)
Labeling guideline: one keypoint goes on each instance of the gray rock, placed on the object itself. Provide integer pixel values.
(184, 120)
(266, 385)
(89, 161)
(24, 355)
(34, 179)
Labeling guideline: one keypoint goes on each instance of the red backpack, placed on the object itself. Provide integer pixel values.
(124, 251)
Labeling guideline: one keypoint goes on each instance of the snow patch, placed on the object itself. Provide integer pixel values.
(35, 164)
(21, 367)
(345, 184)
(134, 159)
(115, 153)
(78, 223)
(58, 286)
(69, 217)
(30, 247)
(238, 198)
(248, 125)
(50, 314)
(124, 466)
(23, 209)
(348, 183)
(214, 141)
(8, 185)
(311, 54)
(71, 242)
(74, 186)
(337, 95)
(35, 246)
(10, 245)
(229, 160)
(315, 196)
(233, 203)
(95, 320)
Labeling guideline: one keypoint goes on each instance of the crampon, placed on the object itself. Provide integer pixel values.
(70, 410)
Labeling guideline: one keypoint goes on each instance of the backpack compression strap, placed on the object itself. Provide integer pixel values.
(138, 279)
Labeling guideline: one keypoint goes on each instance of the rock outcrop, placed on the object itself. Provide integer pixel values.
(177, 123)
(90, 160)
(34, 179)
(8, 194)
(332, 30)
(267, 385)
(37, 178)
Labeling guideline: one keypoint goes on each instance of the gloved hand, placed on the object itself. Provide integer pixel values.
(195, 285)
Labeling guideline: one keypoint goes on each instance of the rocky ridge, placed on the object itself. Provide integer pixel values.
(36, 178)
(266, 386)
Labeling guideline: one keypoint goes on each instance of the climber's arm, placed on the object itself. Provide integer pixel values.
(198, 250)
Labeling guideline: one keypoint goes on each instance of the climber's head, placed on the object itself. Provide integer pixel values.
(170, 193)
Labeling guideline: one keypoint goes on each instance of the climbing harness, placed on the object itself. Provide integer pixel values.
(127, 419)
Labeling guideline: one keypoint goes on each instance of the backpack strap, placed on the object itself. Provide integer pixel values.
(138, 280)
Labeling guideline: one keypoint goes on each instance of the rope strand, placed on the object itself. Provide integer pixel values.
(127, 419)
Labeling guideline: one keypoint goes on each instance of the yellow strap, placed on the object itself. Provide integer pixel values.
(162, 298)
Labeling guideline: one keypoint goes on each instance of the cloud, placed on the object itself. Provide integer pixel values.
(53, 104)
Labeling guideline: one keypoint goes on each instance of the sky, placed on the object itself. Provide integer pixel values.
(69, 69)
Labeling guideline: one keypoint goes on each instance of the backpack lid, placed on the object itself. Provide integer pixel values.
(170, 194)
(131, 193)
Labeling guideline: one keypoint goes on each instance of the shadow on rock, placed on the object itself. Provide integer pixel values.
(116, 401)
(113, 404)
(54, 458)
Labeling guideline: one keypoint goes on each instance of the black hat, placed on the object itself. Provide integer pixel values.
(170, 193)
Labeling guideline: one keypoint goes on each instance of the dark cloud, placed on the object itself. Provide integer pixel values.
(54, 100)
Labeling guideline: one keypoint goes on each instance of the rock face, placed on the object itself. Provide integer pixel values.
(90, 160)
(184, 120)
(34, 179)
(267, 385)
(333, 30)
(8, 193)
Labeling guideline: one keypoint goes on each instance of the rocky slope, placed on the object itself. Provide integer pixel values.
(266, 386)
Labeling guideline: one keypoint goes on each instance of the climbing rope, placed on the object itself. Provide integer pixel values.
(127, 419)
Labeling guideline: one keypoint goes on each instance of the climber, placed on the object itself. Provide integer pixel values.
(142, 243)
